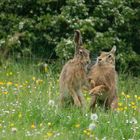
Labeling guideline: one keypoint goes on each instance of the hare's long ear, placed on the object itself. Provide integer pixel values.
(113, 50)
(77, 40)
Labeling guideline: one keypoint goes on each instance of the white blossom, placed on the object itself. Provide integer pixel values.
(51, 103)
(14, 129)
(133, 121)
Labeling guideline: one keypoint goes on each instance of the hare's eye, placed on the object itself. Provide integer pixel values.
(80, 51)
(109, 56)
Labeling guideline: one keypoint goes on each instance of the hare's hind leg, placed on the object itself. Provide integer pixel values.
(65, 100)
(75, 98)
(81, 98)
(62, 99)
(114, 103)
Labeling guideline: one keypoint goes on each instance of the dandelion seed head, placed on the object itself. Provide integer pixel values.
(92, 126)
(94, 117)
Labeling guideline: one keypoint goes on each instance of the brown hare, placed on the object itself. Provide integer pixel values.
(103, 81)
(74, 75)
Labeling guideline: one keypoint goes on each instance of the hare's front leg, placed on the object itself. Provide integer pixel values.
(98, 89)
(114, 103)
(75, 98)
(93, 102)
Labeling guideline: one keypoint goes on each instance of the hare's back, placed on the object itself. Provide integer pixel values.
(69, 70)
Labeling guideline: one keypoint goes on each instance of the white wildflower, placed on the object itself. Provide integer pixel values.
(104, 138)
(14, 129)
(51, 103)
(133, 121)
(68, 117)
(94, 117)
(127, 121)
(86, 115)
(92, 126)
(3, 131)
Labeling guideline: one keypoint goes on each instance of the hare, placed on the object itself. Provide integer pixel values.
(103, 80)
(74, 75)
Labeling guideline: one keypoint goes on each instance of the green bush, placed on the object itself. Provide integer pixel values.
(47, 28)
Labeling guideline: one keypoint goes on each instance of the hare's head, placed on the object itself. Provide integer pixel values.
(107, 58)
(81, 53)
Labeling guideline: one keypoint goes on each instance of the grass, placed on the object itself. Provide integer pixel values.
(29, 109)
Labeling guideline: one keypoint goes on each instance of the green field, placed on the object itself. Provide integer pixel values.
(29, 109)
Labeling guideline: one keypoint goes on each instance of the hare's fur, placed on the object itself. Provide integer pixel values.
(103, 81)
(73, 75)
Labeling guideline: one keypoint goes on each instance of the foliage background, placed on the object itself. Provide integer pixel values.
(44, 29)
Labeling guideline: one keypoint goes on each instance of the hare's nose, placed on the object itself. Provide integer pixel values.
(99, 59)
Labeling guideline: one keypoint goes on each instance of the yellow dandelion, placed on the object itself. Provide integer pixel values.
(123, 94)
(24, 84)
(132, 103)
(49, 134)
(139, 98)
(87, 132)
(9, 83)
(119, 104)
(1, 83)
(88, 98)
(16, 85)
(125, 108)
(77, 125)
(33, 126)
(10, 73)
(33, 78)
(45, 69)
(120, 108)
(5, 92)
(84, 131)
(128, 96)
(134, 107)
(39, 81)
(11, 124)
(49, 124)
(136, 96)
(41, 124)
(20, 115)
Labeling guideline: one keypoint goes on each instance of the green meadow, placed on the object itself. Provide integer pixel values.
(29, 108)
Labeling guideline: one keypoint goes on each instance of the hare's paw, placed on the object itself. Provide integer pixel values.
(77, 103)
(95, 91)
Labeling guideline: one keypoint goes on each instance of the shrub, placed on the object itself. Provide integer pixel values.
(48, 27)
